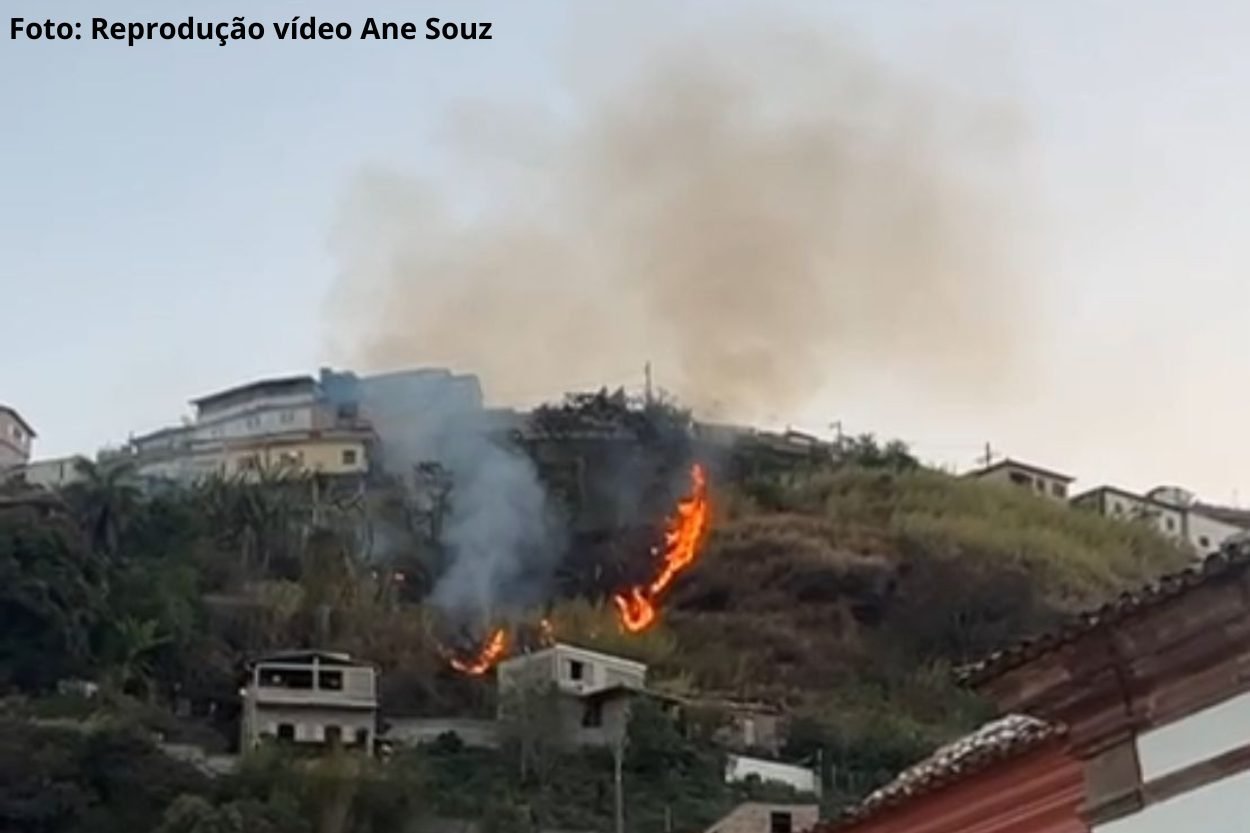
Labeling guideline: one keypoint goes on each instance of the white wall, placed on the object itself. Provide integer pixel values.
(1194, 739)
(740, 767)
(259, 420)
(1213, 532)
(1222, 807)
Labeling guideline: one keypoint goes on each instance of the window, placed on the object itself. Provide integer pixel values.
(286, 678)
(349, 456)
(1171, 524)
(577, 670)
(334, 735)
(330, 680)
(1056, 489)
(253, 422)
(1019, 478)
(286, 731)
(362, 737)
(1041, 485)
(1117, 508)
(287, 417)
(592, 717)
(1204, 541)
(780, 823)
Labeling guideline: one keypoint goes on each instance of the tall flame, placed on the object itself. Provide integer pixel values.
(682, 541)
(486, 658)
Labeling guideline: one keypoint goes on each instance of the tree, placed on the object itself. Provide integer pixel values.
(104, 500)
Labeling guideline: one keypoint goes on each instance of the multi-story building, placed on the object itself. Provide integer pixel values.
(592, 690)
(310, 697)
(52, 473)
(16, 437)
(1044, 482)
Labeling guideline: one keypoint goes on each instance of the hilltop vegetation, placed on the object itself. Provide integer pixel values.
(842, 588)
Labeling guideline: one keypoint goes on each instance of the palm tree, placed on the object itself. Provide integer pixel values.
(136, 639)
(104, 501)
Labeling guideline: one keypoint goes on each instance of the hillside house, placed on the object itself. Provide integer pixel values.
(1111, 502)
(310, 697)
(757, 817)
(593, 690)
(16, 437)
(1044, 482)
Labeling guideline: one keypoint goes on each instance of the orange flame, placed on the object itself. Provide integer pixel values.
(486, 658)
(682, 541)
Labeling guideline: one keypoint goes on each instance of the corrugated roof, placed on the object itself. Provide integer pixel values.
(996, 741)
(1227, 562)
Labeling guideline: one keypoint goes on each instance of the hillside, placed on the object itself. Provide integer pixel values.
(844, 591)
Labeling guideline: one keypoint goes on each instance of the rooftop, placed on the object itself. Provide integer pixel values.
(1226, 563)
(997, 741)
(13, 413)
(276, 385)
(1007, 463)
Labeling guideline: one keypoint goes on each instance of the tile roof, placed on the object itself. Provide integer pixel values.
(996, 741)
(1230, 561)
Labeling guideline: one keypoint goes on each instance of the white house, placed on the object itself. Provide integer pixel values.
(52, 473)
(16, 437)
(310, 697)
(1111, 502)
(1044, 482)
(740, 768)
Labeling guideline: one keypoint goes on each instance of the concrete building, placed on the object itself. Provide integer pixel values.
(593, 690)
(16, 437)
(52, 473)
(1171, 510)
(1111, 502)
(740, 768)
(310, 697)
(757, 817)
(1153, 691)
(1044, 482)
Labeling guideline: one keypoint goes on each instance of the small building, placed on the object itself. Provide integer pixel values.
(758, 817)
(1045, 482)
(52, 473)
(593, 690)
(1111, 502)
(742, 768)
(310, 697)
(16, 437)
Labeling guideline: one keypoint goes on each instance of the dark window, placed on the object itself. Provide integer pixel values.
(362, 737)
(334, 735)
(286, 731)
(1056, 489)
(349, 457)
(780, 823)
(593, 716)
(1021, 479)
(1171, 524)
(1204, 541)
(330, 680)
(286, 678)
(577, 670)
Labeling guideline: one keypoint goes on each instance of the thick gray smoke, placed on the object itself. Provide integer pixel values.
(498, 536)
(774, 218)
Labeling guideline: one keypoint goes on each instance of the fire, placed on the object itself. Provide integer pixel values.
(486, 658)
(682, 541)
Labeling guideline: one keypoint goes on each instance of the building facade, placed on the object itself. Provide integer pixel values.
(16, 438)
(758, 817)
(1172, 511)
(52, 473)
(1043, 482)
(592, 690)
(1155, 695)
(310, 697)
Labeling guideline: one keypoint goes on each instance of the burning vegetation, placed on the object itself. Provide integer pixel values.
(637, 606)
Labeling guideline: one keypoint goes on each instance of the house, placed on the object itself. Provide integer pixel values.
(1111, 502)
(1171, 510)
(592, 690)
(310, 697)
(52, 473)
(758, 817)
(1015, 774)
(1044, 482)
(740, 768)
(16, 437)
(1153, 691)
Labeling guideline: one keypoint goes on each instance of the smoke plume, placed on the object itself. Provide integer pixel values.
(761, 221)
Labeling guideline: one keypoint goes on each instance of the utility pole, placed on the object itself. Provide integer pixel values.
(989, 455)
(647, 373)
(618, 754)
(837, 427)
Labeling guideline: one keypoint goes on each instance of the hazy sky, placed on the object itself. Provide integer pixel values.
(166, 210)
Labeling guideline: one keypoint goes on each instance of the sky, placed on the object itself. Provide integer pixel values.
(166, 210)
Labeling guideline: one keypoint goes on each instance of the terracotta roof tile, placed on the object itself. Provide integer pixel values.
(1230, 561)
(996, 741)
